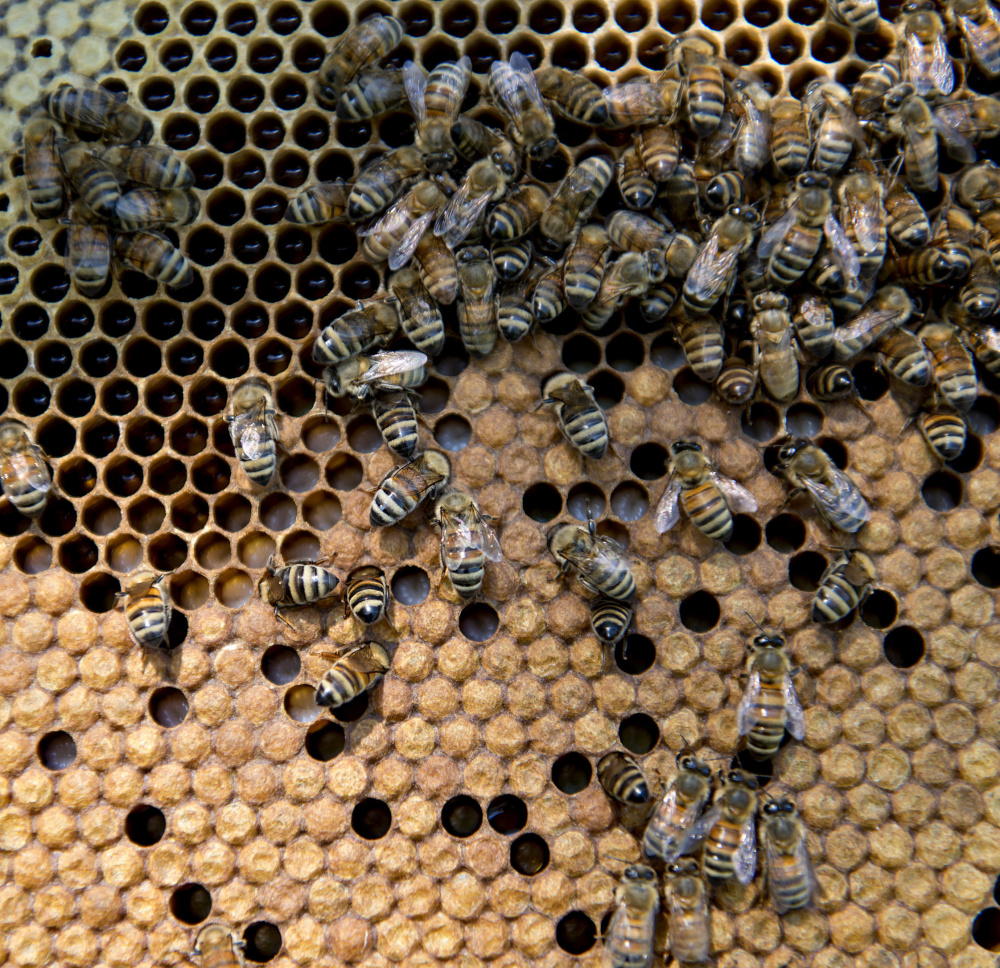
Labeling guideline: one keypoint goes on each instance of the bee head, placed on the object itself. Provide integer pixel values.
(543, 149)
(812, 179)
(742, 779)
(789, 450)
(684, 445)
(332, 380)
(768, 642)
(745, 212)
(505, 164)
(638, 872)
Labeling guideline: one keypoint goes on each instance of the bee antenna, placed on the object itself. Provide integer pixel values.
(752, 619)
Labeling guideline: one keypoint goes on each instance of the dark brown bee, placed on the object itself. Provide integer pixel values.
(623, 779)
(366, 595)
(147, 608)
(354, 672)
(294, 585)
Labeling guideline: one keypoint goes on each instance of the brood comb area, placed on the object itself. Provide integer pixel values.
(455, 809)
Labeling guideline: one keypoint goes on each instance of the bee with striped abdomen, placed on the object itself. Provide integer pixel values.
(708, 498)
(573, 202)
(358, 48)
(366, 596)
(580, 418)
(43, 174)
(672, 829)
(730, 834)
(382, 181)
(610, 620)
(926, 62)
(511, 259)
(95, 183)
(944, 432)
(737, 380)
(906, 221)
(477, 309)
(404, 488)
(751, 107)
(516, 215)
(254, 431)
(636, 186)
(548, 300)
(369, 327)
(147, 208)
(977, 118)
(790, 142)
(88, 252)
(864, 219)
(977, 187)
(596, 558)
(395, 236)
(514, 90)
(463, 214)
(791, 883)
(419, 312)
(845, 585)
(474, 140)
(216, 947)
(724, 190)
(771, 327)
(831, 382)
(623, 779)
(770, 704)
(713, 272)
(835, 128)
(294, 585)
(631, 274)
(88, 106)
(641, 103)
(890, 308)
(467, 542)
(326, 202)
(634, 232)
(870, 89)
(814, 326)
(835, 496)
(372, 93)
(629, 939)
(981, 292)
(903, 356)
(150, 165)
(362, 376)
(437, 268)
(704, 84)
(24, 475)
(354, 672)
(690, 936)
(154, 255)
(397, 420)
(979, 24)
(515, 318)
(572, 95)
(659, 150)
(954, 371)
(147, 609)
(701, 339)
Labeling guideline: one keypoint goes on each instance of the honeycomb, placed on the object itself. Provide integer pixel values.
(452, 814)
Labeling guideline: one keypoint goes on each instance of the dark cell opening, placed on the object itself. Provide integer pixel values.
(585, 501)
(541, 502)
(986, 567)
(146, 515)
(609, 390)
(629, 501)
(265, 56)
(78, 555)
(202, 95)
(57, 750)
(144, 436)
(13, 359)
(293, 246)
(761, 423)
(229, 359)
(59, 518)
(453, 432)
(879, 610)
(545, 17)
(198, 19)
(33, 555)
(246, 170)
(635, 654)
(77, 478)
(478, 621)
(152, 18)
(164, 397)
(803, 420)
(572, 773)
(262, 940)
(325, 741)
(207, 321)
(290, 169)
(830, 44)
(502, 17)
(580, 354)
(168, 706)
(180, 132)
(834, 449)
(30, 322)
(986, 929)
(288, 93)
(314, 282)
(639, 733)
(280, 664)
(225, 207)
(208, 398)
(461, 816)
(942, 491)
(700, 612)
(786, 45)
(273, 357)
(624, 352)
(903, 647)
(690, 388)
(785, 533)
(970, 457)
(433, 396)
(761, 770)
(240, 19)
(189, 514)
(272, 284)
(24, 242)
(371, 819)
(145, 825)
(56, 437)
(284, 19)
(120, 397)
(806, 570)
(529, 854)
(507, 814)
(350, 712)
(185, 358)
(12, 522)
(576, 933)
(77, 319)
(746, 535)
(718, 14)
(227, 134)
(177, 630)
(984, 417)
(32, 398)
(190, 903)
(131, 57)
(8, 277)
(410, 586)
(157, 94)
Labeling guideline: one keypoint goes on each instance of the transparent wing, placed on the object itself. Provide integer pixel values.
(777, 231)
(399, 210)
(746, 854)
(488, 543)
(866, 218)
(737, 496)
(28, 468)
(981, 37)
(456, 537)
(391, 363)
(843, 252)
(864, 322)
(796, 719)
(710, 269)
(956, 144)
(403, 250)
(633, 945)
(668, 511)
(697, 832)
(849, 120)
(846, 488)
(745, 719)
(814, 311)
(249, 432)
(460, 216)
(526, 78)
(415, 85)
(506, 84)
(942, 73)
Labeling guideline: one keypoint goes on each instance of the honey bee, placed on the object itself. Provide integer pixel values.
(435, 263)
(873, 84)
(366, 595)
(474, 140)
(630, 274)
(860, 15)
(944, 432)
(704, 87)
(701, 340)
(394, 237)
(629, 939)
(610, 620)
(724, 190)
(87, 106)
(404, 488)
(95, 183)
(371, 326)
(679, 195)
(713, 273)
(844, 586)
(831, 382)
(381, 182)
(772, 328)
(790, 142)
(573, 96)
(672, 829)
(515, 217)
(467, 542)
(977, 118)
(836, 497)
(904, 356)
(633, 232)
(907, 222)
(926, 62)
(708, 498)
(358, 48)
(978, 187)
(154, 255)
(216, 946)
(326, 202)
(887, 310)
(515, 318)
(24, 475)
(642, 103)
(770, 704)
(464, 211)
(981, 293)
(658, 301)
(583, 267)
(147, 609)
(597, 559)
(88, 253)
(573, 203)
(730, 836)
(511, 259)
(477, 311)
(151, 165)
(690, 935)
(42, 172)
(515, 91)
(862, 208)
(814, 326)
(954, 371)
(928, 266)
(354, 672)
(372, 93)
(659, 149)
(979, 25)
(419, 312)
(296, 584)
(791, 883)
(147, 208)
(580, 418)
(362, 376)
(737, 380)
(835, 127)
(634, 182)
(751, 106)
(396, 418)
(623, 779)
(254, 431)
(548, 299)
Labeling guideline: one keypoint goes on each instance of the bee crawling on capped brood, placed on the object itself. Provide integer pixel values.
(580, 417)
(294, 585)
(366, 596)
(843, 587)
(597, 559)
(147, 609)
(467, 542)
(354, 671)
(216, 947)
(791, 883)
(622, 779)
(770, 704)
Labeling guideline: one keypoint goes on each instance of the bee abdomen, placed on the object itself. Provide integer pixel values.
(309, 583)
(586, 429)
(765, 737)
(794, 256)
(945, 433)
(835, 599)
(708, 510)
(789, 889)
(610, 621)
(261, 469)
(341, 684)
(862, 15)
(147, 618)
(366, 598)
(514, 320)
(706, 99)
(398, 424)
(392, 502)
(467, 577)
(26, 497)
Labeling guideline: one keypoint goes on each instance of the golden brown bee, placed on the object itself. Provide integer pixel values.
(356, 671)
(512, 259)
(381, 182)
(483, 184)
(477, 311)
(873, 84)
(580, 418)
(363, 376)
(709, 499)
(907, 222)
(791, 883)
(622, 778)
(636, 186)
(583, 267)
(904, 356)
(979, 24)
(954, 371)
(642, 103)
(631, 274)
(629, 939)
(610, 620)
(770, 704)
(147, 208)
(418, 311)
(467, 542)
(713, 273)
(371, 326)
(864, 219)
(926, 61)
(751, 107)
(835, 496)
(978, 187)
(844, 586)
(704, 89)
(910, 118)
(358, 48)
(437, 268)
(217, 947)
(24, 474)
(548, 299)
(436, 101)
(672, 828)
(326, 202)
(944, 432)
(254, 431)
(42, 172)
(474, 140)
(701, 340)
(514, 90)
(790, 142)
(88, 252)
(573, 202)
(887, 310)
(690, 935)
(154, 255)
(517, 214)
(928, 266)
(596, 558)
(835, 128)
(730, 835)
(403, 488)
(659, 151)
(395, 236)
(147, 609)
(95, 183)
(771, 326)
(294, 585)
(724, 190)
(572, 95)
(151, 165)
(737, 380)
(396, 418)
(88, 106)
(372, 93)
(366, 595)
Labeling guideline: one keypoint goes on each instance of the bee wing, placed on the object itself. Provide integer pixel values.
(777, 231)
(865, 321)
(27, 468)
(866, 218)
(745, 860)
(403, 250)
(488, 543)
(633, 944)
(415, 85)
(744, 715)
(248, 430)
(956, 144)
(845, 488)
(737, 496)
(795, 722)
(461, 215)
(850, 121)
(668, 511)
(697, 832)
(393, 214)
(980, 37)
(843, 252)
(942, 72)
(710, 269)
(505, 83)
(389, 364)
(830, 499)
(526, 78)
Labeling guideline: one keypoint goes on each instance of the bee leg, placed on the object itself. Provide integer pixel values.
(389, 621)
(281, 618)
